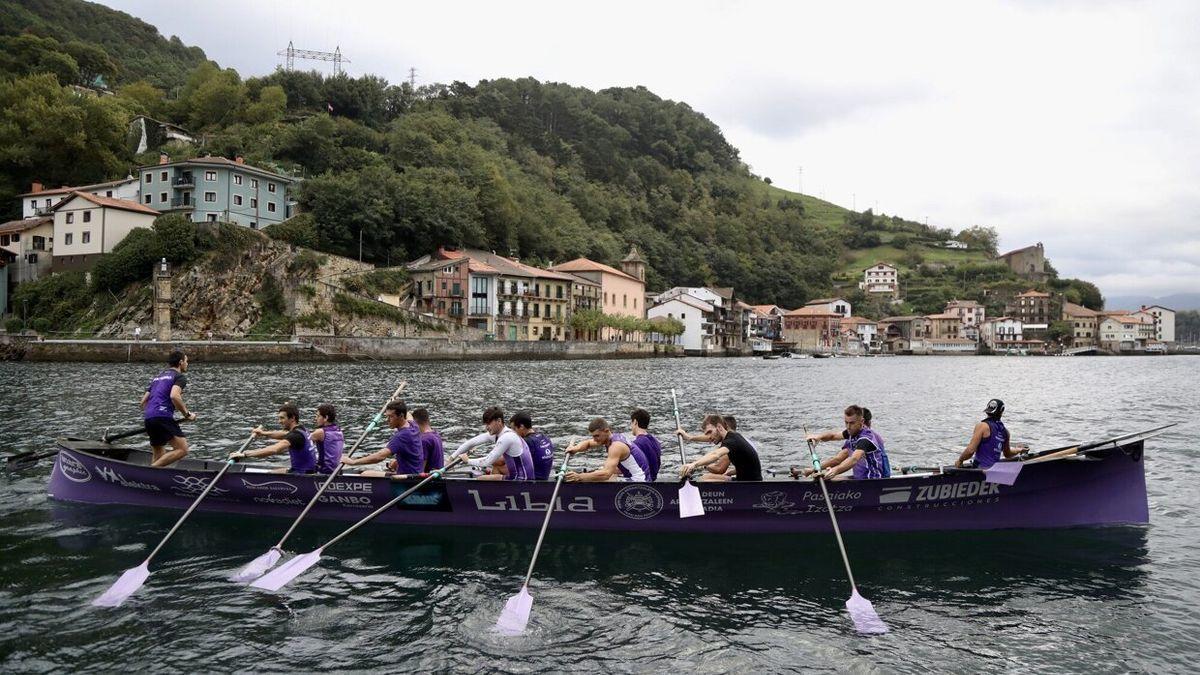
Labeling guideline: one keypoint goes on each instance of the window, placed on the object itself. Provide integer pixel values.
(210, 176)
(253, 203)
(559, 292)
(210, 197)
(237, 200)
(163, 176)
(270, 187)
(682, 315)
(67, 239)
(253, 225)
(624, 300)
(546, 309)
(4, 240)
(33, 203)
(146, 199)
(212, 217)
(237, 179)
(162, 197)
(271, 207)
(87, 237)
(254, 183)
(108, 193)
(70, 218)
(537, 290)
(535, 309)
(87, 216)
(16, 236)
(149, 178)
(47, 202)
(31, 258)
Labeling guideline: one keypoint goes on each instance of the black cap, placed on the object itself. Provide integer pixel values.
(995, 408)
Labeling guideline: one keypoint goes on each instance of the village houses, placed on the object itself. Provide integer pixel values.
(622, 291)
(881, 279)
(87, 227)
(970, 314)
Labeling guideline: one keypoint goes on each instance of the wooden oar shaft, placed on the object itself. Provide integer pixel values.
(436, 473)
(208, 488)
(338, 469)
(537, 548)
(678, 425)
(837, 532)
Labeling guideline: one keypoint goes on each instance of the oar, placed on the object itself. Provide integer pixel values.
(126, 434)
(862, 612)
(280, 576)
(515, 616)
(1006, 472)
(24, 459)
(690, 503)
(257, 567)
(133, 578)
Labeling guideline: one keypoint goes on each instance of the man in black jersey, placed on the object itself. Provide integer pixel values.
(729, 444)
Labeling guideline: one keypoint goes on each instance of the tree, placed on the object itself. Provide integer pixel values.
(980, 237)
(95, 67)
(1060, 331)
(270, 106)
(143, 97)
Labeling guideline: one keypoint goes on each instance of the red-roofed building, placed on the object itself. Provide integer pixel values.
(87, 227)
(30, 243)
(40, 199)
(622, 292)
(766, 321)
(811, 328)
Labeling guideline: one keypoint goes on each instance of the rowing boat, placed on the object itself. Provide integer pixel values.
(1104, 486)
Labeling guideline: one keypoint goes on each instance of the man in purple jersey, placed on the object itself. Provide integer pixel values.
(990, 439)
(541, 448)
(293, 439)
(431, 441)
(863, 451)
(162, 398)
(509, 458)
(404, 446)
(623, 461)
(639, 425)
(328, 439)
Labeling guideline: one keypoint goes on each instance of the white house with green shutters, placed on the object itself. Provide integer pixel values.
(217, 189)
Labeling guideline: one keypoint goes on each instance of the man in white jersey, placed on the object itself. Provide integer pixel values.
(510, 455)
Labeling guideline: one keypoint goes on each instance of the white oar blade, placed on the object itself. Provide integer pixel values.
(282, 575)
(124, 587)
(1004, 473)
(862, 613)
(515, 616)
(690, 503)
(257, 567)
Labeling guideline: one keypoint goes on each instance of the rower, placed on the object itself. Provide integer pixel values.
(293, 439)
(404, 446)
(623, 459)
(989, 440)
(163, 397)
(639, 425)
(431, 441)
(541, 448)
(328, 439)
(509, 458)
(721, 466)
(863, 449)
(730, 444)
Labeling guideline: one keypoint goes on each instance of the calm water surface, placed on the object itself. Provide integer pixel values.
(1103, 600)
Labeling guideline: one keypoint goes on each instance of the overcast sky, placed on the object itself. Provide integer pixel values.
(1074, 123)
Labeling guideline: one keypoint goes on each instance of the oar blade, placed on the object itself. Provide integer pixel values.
(690, 503)
(515, 616)
(282, 575)
(862, 613)
(257, 567)
(124, 587)
(1004, 473)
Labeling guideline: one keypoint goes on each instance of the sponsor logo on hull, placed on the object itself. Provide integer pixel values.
(270, 486)
(113, 477)
(776, 503)
(194, 485)
(523, 502)
(638, 502)
(346, 487)
(72, 469)
(936, 496)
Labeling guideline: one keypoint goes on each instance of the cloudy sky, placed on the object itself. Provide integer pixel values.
(1074, 123)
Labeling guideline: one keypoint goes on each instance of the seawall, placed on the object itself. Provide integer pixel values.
(324, 349)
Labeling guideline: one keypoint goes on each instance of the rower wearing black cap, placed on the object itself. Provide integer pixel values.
(989, 440)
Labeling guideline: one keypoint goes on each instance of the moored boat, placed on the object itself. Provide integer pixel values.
(1104, 486)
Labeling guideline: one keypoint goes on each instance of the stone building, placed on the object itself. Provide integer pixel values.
(1029, 262)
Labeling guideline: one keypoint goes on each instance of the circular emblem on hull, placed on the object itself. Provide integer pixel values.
(72, 468)
(638, 502)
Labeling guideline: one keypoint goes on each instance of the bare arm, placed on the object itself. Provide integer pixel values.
(693, 438)
(317, 435)
(824, 436)
(704, 461)
(981, 432)
(845, 464)
(272, 449)
(605, 472)
(177, 399)
(1009, 451)
(377, 456)
(276, 434)
(841, 456)
(145, 398)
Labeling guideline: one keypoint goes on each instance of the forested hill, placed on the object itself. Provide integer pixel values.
(542, 171)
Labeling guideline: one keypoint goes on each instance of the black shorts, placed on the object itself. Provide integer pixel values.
(162, 429)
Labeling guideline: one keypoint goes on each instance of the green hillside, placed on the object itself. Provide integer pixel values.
(542, 171)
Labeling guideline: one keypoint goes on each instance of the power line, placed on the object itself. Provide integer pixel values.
(412, 77)
(291, 54)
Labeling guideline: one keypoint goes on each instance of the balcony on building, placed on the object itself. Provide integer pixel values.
(184, 202)
(183, 180)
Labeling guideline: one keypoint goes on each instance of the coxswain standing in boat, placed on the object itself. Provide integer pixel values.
(404, 447)
(509, 458)
(431, 441)
(862, 451)
(639, 425)
(162, 398)
(623, 461)
(731, 446)
(989, 440)
(541, 448)
(293, 439)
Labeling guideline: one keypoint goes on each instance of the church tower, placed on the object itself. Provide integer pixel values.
(634, 265)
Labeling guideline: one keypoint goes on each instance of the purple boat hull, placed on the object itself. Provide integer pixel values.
(1102, 488)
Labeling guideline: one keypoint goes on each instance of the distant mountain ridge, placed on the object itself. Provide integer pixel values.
(1176, 301)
